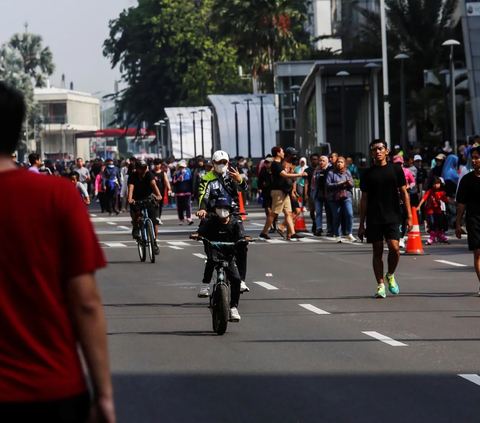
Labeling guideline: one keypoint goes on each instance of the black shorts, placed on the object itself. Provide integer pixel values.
(473, 235)
(414, 200)
(377, 232)
(152, 213)
(267, 202)
(295, 204)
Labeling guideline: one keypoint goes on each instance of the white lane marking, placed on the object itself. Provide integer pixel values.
(114, 244)
(178, 243)
(451, 263)
(93, 215)
(111, 223)
(267, 286)
(124, 227)
(202, 256)
(472, 378)
(385, 339)
(313, 309)
(310, 240)
(173, 247)
(257, 224)
(275, 241)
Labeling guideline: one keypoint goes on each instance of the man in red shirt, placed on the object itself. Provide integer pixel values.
(49, 301)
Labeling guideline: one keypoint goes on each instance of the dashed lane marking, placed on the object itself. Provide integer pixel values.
(179, 243)
(111, 223)
(174, 247)
(93, 215)
(199, 255)
(385, 339)
(267, 286)
(115, 245)
(123, 227)
(313, 309)
(451, 263)
(257, 224)
(472, 378)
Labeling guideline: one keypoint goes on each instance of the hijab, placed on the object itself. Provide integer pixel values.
(302, 168)
(344, 167)
(449, 172)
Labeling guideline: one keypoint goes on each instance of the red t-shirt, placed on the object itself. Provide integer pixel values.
(46, 238)
(432, 201)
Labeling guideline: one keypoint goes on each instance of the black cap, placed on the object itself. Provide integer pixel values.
(291, 151)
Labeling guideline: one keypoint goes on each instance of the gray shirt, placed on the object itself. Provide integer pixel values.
(83, 175)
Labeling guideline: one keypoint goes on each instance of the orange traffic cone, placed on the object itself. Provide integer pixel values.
(300, 225)
(242, 206)
(165, 197)
(414, 243)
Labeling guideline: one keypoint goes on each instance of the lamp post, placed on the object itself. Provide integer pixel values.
(157, 124)
(402, 57)
(235, 103)
(295, 89)
(446, 128)
(280, 116)
(343, 74)
(248, 100)
(181, 135)
(194, 134)
(453, 107)
(166, 144)
(211, 126)
(262, 123)
(202, 111)
(373, 92)
(386, 92)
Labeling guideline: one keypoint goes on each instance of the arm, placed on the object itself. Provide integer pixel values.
(460, 212)
(89, 321)
(130, 193)
(406, 204)
(153, 183)
(331, 183)
(202, 190)
(291, 175)
(84, 193)
(87, 177)
(363, 214)
(167, 183)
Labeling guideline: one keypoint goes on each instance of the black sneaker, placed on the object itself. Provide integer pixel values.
(271, 230)
(135, 233)
(318, 232)
(157, 250)
(264, 236)
(297, 236)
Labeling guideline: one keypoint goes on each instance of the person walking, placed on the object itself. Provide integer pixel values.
(265, 188)
(50, 307)
(162, 182)
(380, 208)
(339, 187)
(314, 158)
(182, 185)
(111, 186)
(99, 191)
(468, 200)
(301, 168)
(83, 172)
(319, 181)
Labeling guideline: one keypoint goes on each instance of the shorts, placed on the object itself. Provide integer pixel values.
(377, 232)
(414, 200)
(473, 236)
(295, 204)
(152, 213)
(267, 202)
(281, 202)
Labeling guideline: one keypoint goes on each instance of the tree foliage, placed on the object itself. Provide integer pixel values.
(169, 54)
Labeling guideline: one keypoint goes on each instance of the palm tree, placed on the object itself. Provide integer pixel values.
(38, 61)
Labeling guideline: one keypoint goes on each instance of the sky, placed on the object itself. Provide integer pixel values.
(75, 31)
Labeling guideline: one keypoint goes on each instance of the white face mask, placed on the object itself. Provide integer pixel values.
(223, 213)
(221, 169)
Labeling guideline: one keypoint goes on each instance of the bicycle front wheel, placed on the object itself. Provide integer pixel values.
(221, 309)
(142, 250)
(151, 241)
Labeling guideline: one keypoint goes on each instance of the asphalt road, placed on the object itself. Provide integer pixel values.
(313, 344)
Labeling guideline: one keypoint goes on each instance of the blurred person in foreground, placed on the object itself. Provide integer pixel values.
(50, 307)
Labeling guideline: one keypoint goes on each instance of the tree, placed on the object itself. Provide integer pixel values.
(37, 61)
(169, 54)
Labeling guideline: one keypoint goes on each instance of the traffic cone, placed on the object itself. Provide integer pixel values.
(300, 225)
(165, 197)
(414, 243)
(242, 206)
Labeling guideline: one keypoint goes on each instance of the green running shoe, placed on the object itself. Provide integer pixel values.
(392, 284)
(381, 292)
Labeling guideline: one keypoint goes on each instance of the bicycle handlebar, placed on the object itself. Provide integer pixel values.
(240, 241)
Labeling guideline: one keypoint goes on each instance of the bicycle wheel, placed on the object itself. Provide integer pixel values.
(221, 309)
(142, 250)
(151, 241)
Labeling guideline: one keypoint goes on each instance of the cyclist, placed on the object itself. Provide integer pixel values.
(216, 183)
(223, 226)
(141, 185)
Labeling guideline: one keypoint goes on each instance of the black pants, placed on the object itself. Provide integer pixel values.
(233, 276)
(70, 410)
(111, 200)
(102, 200)
(183, 207)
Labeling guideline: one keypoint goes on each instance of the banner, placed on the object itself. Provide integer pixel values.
(473, 8)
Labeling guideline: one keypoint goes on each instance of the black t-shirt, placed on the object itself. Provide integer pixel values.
(214, 230)
(381, 183)
(469, 194)
(277, 168)
(141, 188)
(265, 182)
(160, 181)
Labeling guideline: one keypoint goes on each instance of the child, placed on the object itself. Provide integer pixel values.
(433, 209)
(74, 176)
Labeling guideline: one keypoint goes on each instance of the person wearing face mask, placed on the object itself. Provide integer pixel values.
(216, 183)
(111, 186)
(223, 226)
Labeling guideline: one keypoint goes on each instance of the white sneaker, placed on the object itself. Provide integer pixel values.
(181, 222)
(204, 291)
(244, 287)
(234, 315)
(160, 222)
(402, 243)
(350, 238)
(338, 239)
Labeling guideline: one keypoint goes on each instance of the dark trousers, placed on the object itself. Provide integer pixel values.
(102, 201)
(70, 410)
(159, 209)
(241, 260)
(183, 207)
(111, 200)
(233, 276)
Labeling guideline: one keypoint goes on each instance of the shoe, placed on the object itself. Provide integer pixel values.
(160, 222)
(297, 236)
(381, 292)
(234, 315)
(429, 241)
(174, 205)
(181, 222)
(204, 291)
(350, 238)
(280, 232)
(135, 233)
(190, 222)
(117, 212)
(157, 250)
(329, 234)
(272, 230)
(401, 243)
(318, 232)
(392, 284)
(264, 236)
(338, 239)
(244, 287)
(314, 228)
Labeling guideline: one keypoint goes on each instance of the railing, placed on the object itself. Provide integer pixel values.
(55, 119)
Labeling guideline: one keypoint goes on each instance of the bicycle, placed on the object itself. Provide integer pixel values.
(222, 254)
(146, 240)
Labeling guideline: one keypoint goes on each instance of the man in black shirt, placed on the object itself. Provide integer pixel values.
(468, 199)
(380, 205)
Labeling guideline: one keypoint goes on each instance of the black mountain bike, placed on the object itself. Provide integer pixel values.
(146, 239)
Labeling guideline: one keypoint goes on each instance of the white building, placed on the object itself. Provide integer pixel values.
(66, 113)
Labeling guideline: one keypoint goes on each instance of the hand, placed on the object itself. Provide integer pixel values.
(234, 174)
(87, 201)
(361, 232)
(410, 223)
(158, 197)
(458, 232)
(104, 189)
(304, 174)
(169, 192)
(96, 193)
(131, 201)
(349, 182)
(102, 411)
(194, 236)
(202, 214)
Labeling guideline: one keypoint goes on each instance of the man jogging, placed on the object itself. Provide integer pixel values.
(468, 199)
(380, 205)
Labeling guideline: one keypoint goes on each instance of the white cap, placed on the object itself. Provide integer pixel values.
(182, 163)
(397, 146)
(220, 155)
(417, 157)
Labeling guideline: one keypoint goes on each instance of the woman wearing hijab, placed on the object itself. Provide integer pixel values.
(300, 181)
(450, 175)
(339, 189)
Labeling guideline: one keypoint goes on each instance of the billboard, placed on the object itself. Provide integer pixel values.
(473, 8)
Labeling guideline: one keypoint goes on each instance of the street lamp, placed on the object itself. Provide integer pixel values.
(402, 57)
(248, 100)
(453, 111)
(343, 74)
(194, 134)
(373, 92)
(280, 116)
(181, 136)
(262, 123)
(386, 92)
(157, 124)
(235, 103)
(446, 129)
(202, 111)
(165, 144)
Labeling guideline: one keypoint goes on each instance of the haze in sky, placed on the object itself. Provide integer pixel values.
(74, 30)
